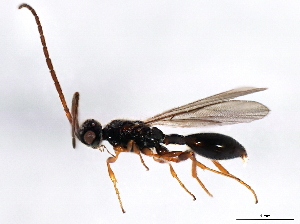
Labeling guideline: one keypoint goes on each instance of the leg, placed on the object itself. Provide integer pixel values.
(194, 174)
(181, 184)
(165, 156)
(118, 149)
(101, 149)
(132, 146)
(220, 167)
(227, 174)
(113, 177)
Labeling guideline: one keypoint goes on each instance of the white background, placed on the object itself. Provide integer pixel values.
(134, 59)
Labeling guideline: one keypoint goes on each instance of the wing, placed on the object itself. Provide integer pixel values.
(214, 110)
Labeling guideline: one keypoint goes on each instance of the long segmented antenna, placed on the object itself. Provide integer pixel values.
(49, 62)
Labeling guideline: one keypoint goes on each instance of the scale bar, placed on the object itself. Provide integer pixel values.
(267, 219)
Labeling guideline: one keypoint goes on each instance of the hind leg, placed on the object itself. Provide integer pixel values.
(222, 171)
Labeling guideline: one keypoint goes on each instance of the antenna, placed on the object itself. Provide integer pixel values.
(49, 62)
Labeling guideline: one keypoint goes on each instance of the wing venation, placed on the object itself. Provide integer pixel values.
(214, 110)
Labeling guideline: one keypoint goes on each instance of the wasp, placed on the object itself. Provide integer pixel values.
(143, 138)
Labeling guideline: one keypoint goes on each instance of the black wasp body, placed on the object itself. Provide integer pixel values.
(142, 137)
(122, 132)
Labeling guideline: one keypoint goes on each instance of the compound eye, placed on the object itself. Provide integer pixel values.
(89, 137)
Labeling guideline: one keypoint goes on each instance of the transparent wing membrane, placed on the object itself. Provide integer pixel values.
(214, 110)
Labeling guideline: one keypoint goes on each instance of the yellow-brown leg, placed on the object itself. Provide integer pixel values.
(118, 149)
(220, 167)
(174, 156)
(194, 175)
(202, 166)
(179, 181)
(113, 177)
(132, 145)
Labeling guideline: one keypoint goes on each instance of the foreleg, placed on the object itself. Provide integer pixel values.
(113, 177)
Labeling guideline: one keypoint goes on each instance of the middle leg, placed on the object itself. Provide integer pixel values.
(165, 156)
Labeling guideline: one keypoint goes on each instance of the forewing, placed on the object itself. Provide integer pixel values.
(214, 110)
